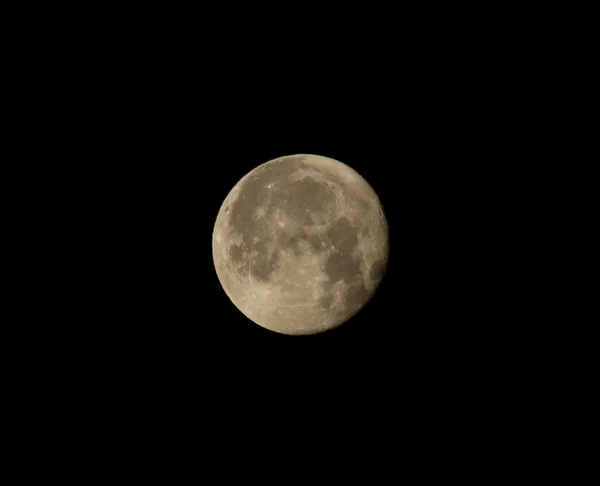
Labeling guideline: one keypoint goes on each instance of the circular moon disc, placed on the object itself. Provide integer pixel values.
(300, 244)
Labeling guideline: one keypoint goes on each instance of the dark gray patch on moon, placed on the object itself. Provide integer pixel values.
(341, 266)
(377, 270)
(236, 253)
(326, 301)
(356, 296)
(316, 243)
(364, 205)
(326, 285)
(264, 265)
(343, 235)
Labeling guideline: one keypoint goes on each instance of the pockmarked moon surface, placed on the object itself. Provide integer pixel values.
(300, 244)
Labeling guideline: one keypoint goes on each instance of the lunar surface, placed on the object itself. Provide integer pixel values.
(300, 244)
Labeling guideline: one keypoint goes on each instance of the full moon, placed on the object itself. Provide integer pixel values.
(300, 244)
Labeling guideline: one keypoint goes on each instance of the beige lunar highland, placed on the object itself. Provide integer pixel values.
(300, 244)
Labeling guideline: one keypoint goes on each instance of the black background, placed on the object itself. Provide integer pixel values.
(147, 121)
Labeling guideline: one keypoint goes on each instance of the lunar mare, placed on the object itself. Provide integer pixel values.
(300, 244)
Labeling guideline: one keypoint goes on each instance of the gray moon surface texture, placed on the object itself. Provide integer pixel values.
(300, 244)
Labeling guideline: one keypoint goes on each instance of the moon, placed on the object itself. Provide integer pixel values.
(300, 244)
